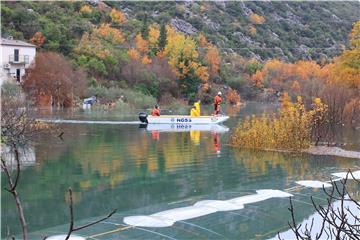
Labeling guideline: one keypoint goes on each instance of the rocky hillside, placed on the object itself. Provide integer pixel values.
(285, 30)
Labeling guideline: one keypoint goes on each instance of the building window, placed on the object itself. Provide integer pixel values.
(18, 75)
(16, 55)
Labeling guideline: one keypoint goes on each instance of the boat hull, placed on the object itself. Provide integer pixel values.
(184, 119)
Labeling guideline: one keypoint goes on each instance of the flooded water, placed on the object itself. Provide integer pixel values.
(141, 172)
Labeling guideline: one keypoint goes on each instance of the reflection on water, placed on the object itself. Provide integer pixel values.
(141, 171)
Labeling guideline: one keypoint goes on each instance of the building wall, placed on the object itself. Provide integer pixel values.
(6, 52)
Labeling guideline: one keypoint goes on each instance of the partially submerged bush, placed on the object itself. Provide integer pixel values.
(289, 129)
(133, 98)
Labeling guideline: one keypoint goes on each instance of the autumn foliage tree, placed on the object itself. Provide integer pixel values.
(181, 54)
(291, 128)
(99, 52)
(86, 9)
(53, 76)
(183, 57)
(256, 19)
(117, 16)
(38, 39)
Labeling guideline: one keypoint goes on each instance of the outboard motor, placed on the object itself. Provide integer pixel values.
(143, 117)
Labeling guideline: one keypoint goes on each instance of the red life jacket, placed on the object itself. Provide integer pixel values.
(155, 112)
(217, 100)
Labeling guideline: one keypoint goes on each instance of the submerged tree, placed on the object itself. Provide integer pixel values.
(53, 76)
(17, 128)
(18, 131)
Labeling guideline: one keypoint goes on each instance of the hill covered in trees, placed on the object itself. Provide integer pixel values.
(173, 50)
(286, 30)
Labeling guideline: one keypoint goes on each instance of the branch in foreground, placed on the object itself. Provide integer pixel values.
(337, 218)
(72, 228)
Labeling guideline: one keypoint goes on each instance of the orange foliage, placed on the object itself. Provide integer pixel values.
(117, 16)
(91, 44)
(212, 57)
(258, 79)
(160, 54)
(202, 73)
(145, 60)
(111, 34)
(154, 34)
(38, 39)
(203, 41)
(233, 96)
(141, 44)
(133, 54)
(256, 19)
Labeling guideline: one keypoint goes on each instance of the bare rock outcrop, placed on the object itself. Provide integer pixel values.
(183, 26)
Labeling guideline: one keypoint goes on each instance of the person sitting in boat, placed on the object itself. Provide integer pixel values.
(155, 111)
(195, 110)
(217, 102)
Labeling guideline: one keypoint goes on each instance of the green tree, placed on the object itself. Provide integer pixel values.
(162, 38)
(144, 28)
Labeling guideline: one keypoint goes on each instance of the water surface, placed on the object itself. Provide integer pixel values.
(141, 172)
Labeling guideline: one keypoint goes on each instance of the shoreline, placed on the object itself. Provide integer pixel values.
(317, 150)
(332, 151)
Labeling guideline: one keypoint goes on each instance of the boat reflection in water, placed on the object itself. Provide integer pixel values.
(186, 127)
(194, 130)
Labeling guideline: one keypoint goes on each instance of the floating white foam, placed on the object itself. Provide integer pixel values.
(179, 214)
(220, 205)
(201, 208)
(356, 175)
(62, 237)
(314, 184)
(261, 195)
(148, 221)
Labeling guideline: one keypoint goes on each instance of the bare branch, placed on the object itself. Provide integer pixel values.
(72, 228)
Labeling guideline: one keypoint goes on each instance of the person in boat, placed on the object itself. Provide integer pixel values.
(195, 110)
(217, 102)
(155, 111)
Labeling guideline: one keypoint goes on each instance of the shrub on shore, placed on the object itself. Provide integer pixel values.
(291, 128)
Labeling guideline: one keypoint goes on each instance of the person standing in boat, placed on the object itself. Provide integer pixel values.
(195, 110)
(217, 102)
(156, 111)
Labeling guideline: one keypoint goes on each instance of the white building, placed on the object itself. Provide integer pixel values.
(16, 56)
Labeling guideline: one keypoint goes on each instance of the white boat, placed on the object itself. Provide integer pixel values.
(187, 127)
(182, 119)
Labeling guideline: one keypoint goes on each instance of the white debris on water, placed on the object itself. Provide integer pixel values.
(169, 217)
(220, 205)
(343, 175)
(332, 151)
(148, 221)
(313, 184)
(184, 213)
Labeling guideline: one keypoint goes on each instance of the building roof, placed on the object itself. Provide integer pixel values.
(11, 42)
